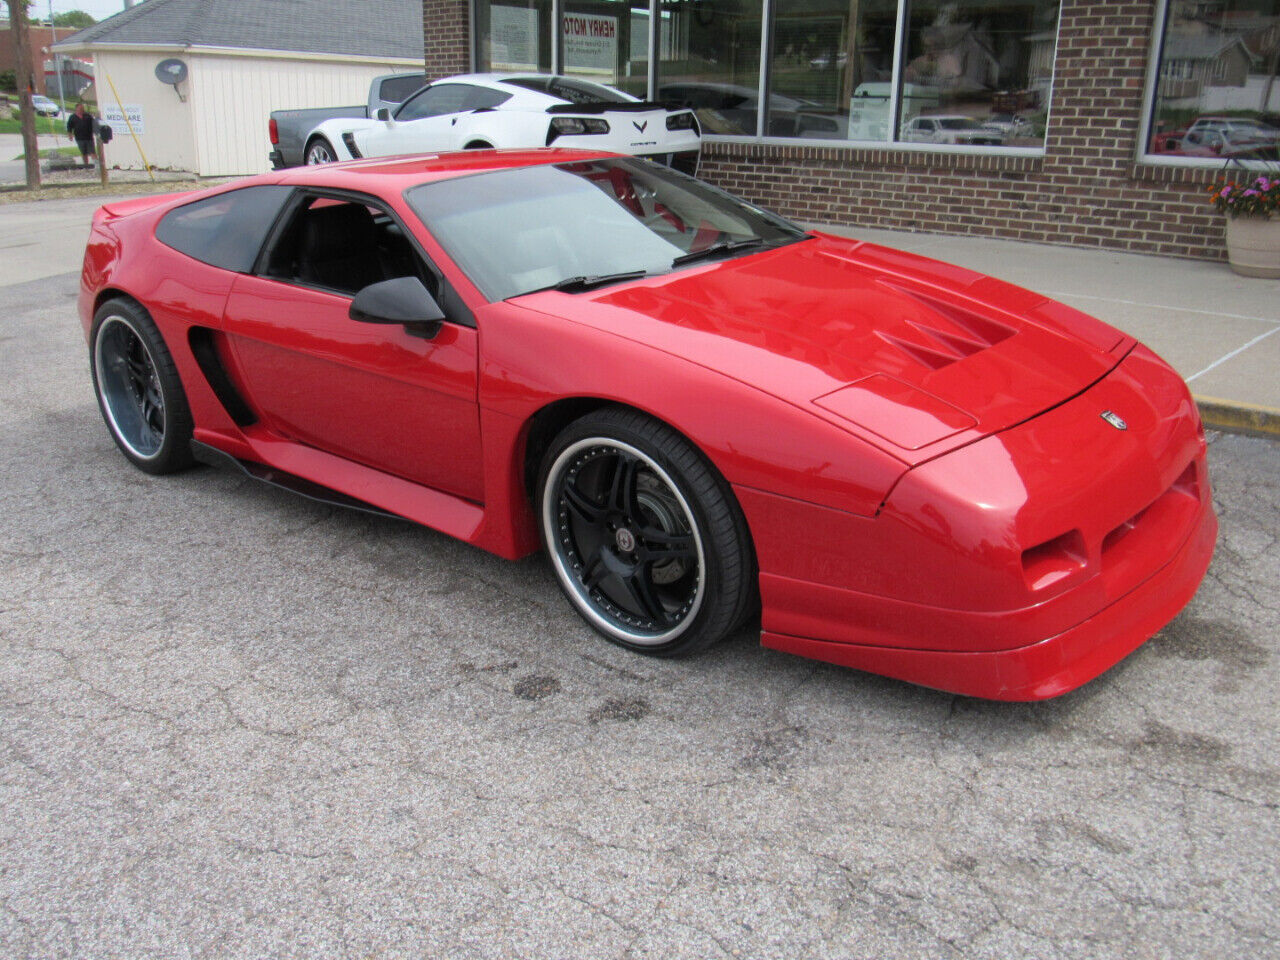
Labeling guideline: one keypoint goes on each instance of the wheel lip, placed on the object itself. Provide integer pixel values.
(580, 598)
(105, 402)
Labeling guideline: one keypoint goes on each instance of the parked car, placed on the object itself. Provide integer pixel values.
(487, 110)
(951, 128)
(44, 107)
(1010, 124)
(288, 129)
(700, 409)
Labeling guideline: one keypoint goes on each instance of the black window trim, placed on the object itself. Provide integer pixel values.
(455, 309)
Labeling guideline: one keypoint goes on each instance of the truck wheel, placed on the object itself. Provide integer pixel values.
(319, 151)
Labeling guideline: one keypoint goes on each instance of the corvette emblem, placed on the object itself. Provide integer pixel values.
(640, 126)
(1114, 419)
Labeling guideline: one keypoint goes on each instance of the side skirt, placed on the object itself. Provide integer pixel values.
(284, 481)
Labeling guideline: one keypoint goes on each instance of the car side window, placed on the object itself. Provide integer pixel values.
(343, 246)
(436, 101)
(482, 98)
(226, 230)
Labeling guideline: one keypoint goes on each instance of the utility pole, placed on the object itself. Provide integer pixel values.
(26, 86)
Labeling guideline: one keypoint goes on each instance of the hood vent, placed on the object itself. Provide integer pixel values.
(953, 334)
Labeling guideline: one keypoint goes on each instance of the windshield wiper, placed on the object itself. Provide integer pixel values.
(724, 246)
(578, 284)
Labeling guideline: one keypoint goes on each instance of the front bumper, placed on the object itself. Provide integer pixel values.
(1040, 670)
(1016, 567)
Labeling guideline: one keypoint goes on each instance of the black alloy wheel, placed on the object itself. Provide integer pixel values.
(646, 541)
(138, 390)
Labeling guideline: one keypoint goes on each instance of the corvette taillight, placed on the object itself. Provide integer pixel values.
(575, 127)
(273, 131)
(682, 121)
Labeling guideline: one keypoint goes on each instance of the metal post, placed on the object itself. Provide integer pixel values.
(57, 57)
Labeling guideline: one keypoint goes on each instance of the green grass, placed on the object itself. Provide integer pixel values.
(54, 152)
(43, 125)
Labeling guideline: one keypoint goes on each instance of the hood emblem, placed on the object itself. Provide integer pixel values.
(640, 126)
(1114, 419)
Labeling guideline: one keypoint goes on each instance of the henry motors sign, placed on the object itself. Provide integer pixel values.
(590, 42)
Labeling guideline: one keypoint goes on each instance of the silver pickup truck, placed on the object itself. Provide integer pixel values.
(288, 129)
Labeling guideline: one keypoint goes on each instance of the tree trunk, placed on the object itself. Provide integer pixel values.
(26, 87)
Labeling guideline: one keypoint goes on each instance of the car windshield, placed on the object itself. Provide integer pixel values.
(581, 223)
(958, 123)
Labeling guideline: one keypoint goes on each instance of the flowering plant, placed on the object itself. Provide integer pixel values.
(1259, 197)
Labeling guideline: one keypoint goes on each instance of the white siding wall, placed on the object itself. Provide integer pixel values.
(168, 138)
(235, 95)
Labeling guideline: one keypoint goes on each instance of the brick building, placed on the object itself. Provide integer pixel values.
(38, 39)
(1061, 122)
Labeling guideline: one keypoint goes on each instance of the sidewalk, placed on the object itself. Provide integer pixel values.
(1219, 330)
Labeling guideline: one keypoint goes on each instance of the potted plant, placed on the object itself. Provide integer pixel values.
(1252, 206)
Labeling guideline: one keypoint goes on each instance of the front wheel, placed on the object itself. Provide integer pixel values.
(645, 538)
(319, 150)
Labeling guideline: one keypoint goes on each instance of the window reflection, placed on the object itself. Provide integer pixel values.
(978, 72)
(709, 59)
(1218, 83)
(513, 36)
(831, 69)
(607, 42)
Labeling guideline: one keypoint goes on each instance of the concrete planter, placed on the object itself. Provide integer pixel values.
(1253, 246)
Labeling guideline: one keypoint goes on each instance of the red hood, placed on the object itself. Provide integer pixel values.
(921, 356)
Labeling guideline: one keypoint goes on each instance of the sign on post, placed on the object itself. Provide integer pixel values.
(111, 114)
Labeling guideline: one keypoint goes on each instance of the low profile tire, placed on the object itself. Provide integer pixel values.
(644, 536)
(478, 145)
(319, 150)
(138, 389)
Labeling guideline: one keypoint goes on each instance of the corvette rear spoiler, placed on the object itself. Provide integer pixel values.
(625, 107)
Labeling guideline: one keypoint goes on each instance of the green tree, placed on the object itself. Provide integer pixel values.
(77, 19)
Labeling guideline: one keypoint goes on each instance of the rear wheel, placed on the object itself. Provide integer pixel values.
(645, 538)
(138, 389)
(319, 150)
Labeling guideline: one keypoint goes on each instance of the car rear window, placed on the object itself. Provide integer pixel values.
(226, 230)
(572, 91)
(397, 89)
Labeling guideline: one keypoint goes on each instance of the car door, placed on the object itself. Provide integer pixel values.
(425, 122)
(396, 398)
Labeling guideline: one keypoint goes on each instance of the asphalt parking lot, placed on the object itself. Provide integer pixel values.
(235, 723)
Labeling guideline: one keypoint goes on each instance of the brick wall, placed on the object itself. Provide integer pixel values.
(37, 39)
(1086, 190)
(446, 28)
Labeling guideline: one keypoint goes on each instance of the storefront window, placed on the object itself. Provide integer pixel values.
(607, 42)
(831, 69)
(1218, 84)
(954, 73)
(978, 72)
(513, 36)
(709, 59)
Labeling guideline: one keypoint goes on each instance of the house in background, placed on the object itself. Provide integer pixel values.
(243, 61)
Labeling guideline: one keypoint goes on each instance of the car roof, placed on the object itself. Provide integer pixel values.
(392, 175)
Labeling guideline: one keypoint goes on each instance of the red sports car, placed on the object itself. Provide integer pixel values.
(700, 409)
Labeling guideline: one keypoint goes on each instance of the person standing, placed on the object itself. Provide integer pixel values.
(80, 129)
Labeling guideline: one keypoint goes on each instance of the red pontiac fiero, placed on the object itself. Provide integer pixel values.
(700, 409)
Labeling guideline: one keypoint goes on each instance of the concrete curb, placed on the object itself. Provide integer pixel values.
(1233, 417)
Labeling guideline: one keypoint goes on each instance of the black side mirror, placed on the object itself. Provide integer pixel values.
(403, 300)
(383, 113)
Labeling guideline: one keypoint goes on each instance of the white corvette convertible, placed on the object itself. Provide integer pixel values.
(484, 110)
